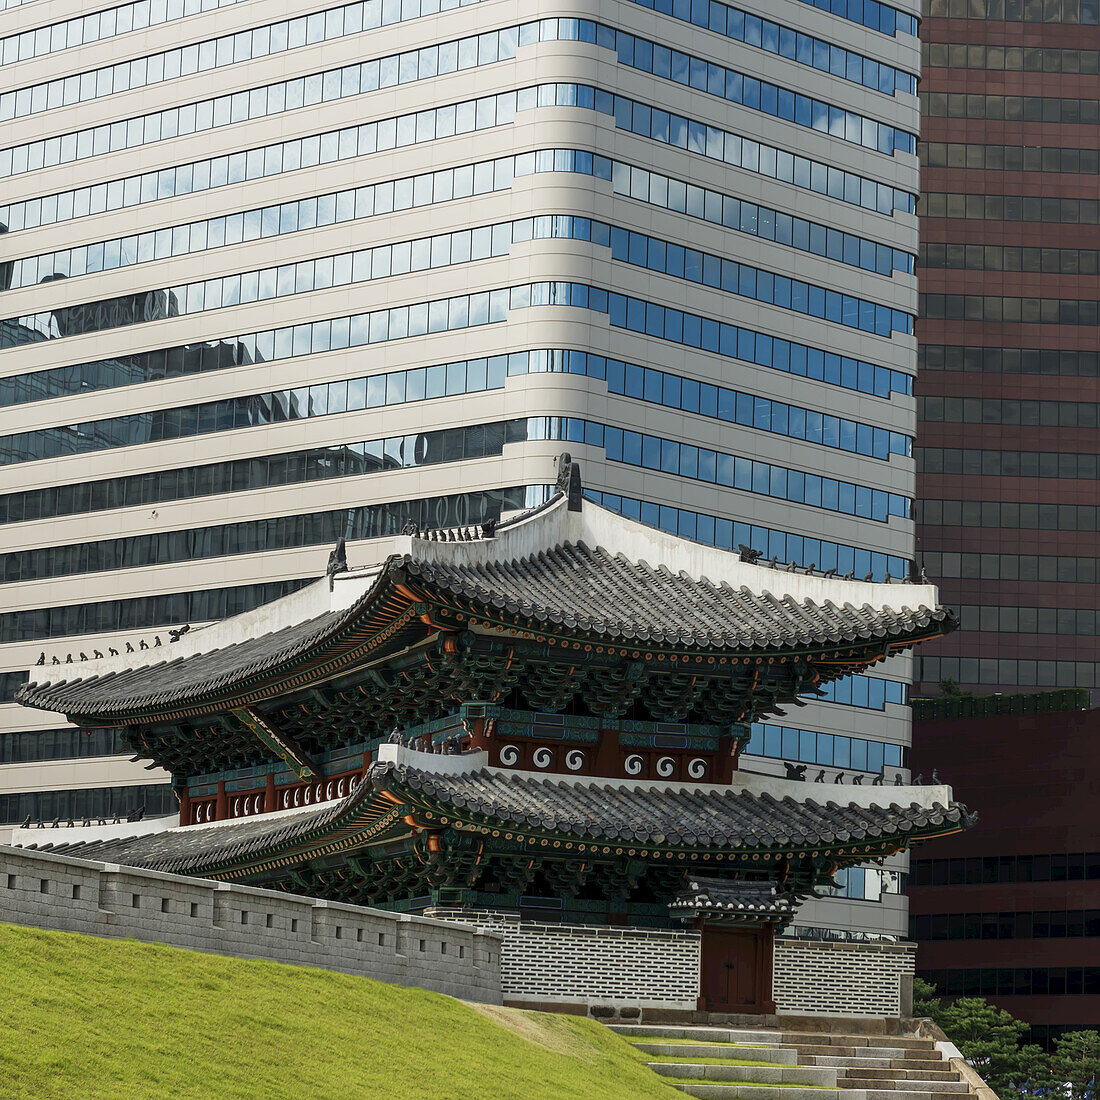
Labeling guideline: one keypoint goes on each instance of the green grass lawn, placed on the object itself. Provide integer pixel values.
(84, 1017)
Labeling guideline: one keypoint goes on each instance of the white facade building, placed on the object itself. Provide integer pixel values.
(276, 273)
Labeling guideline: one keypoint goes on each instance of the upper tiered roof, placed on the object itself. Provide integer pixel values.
(565, 585)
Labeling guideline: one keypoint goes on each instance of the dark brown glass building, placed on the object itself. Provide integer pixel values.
(1007, 463)
(1010, 910)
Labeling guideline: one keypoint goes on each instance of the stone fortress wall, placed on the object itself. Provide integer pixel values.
(483, 956)
(102, 899)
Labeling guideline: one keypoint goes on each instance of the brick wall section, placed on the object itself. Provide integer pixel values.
(843, 979)
(70, 895)
(592, 964)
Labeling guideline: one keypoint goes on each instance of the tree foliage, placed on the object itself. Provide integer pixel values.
(990, 1039)
(1076, 1064)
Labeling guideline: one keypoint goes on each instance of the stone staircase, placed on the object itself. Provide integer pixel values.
(787, 1064)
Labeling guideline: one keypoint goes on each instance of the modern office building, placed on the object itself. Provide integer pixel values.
(279, 275)
(1011, 910)
(1007, 465)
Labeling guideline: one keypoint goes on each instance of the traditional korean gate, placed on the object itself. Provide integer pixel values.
(736, 969)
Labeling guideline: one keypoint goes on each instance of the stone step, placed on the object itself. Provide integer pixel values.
(760, 1075)
(822, 1038)
(713, 1050)
(902, 1074)
(711, 1034)
(918, 1065)
(719, 1091)
(895, 1094)
(836, 1051)
(941, 1088)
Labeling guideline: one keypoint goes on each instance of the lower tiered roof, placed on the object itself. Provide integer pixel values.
(424, 798)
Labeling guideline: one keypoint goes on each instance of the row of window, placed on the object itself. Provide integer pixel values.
(87, 802)
(707, 334)
(872, 14)
(256, 536)
(973, 870)
(969, 670)
(490, 306)
(781, 545)
(461, 246)
(1004, 410)
(1042, 925)
(353, 459)
(1012, 108)
(420, 383)
(1029, 620)
(399, 69)
(831, 750)
(445, 380)
(66, 743)
(255, 163)
(970, 460)
(142, 611)
(107, 23)
(1009, 158)
(997, 308)
(1002, 360)
(257, 42)
(429, 61)
(849, 691)
(395, 259)
(234, 476)
(174, 608)
(442, 186)
(864, 884)
(997, 257)
(669, 258)
(757, 95)
(743, 26)
(1028, 59)
(1013, 567)
(766, 160)
(334, 208)
(1086, 12)
(733, 213)
(720, 403)
(1009, 208)
(206, 114)
(1037, 981)
(1011, 514)
(266, 160)
(749, 475)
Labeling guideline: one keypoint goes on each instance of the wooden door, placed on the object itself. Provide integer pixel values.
(736, 967)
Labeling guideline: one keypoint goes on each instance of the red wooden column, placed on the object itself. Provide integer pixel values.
(221, 803)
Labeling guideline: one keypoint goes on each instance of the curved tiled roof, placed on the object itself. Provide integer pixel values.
(553, 569)
(706, 894)
(676, 816)
(729, 819)
(190, 849)
(582, 588)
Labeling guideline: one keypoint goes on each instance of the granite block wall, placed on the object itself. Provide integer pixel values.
(71, 895)
(843, 979)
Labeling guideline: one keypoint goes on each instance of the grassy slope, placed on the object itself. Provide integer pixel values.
(87, 1017)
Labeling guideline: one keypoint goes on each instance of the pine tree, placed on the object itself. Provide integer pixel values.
(1076, 1062)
